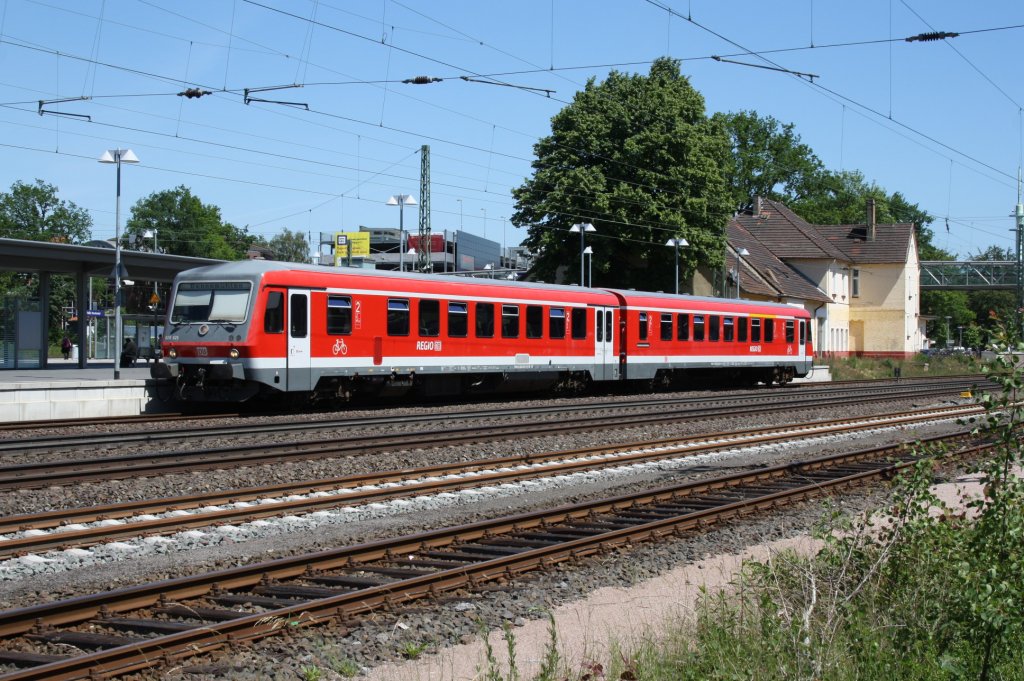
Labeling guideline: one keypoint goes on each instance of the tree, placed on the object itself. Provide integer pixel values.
(637, 157)
(769, 160)
(290, 246)
(33, 212)
(186, 226)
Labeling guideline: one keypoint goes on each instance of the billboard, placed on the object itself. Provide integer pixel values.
(350, 244)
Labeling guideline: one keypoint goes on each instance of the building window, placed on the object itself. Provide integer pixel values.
(855, 283)
(339, 315)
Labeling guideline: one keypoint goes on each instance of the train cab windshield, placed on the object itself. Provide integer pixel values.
(197, 302)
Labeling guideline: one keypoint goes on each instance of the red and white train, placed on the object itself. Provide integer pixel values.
(245, 329)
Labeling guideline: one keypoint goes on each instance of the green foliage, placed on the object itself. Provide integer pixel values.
(310, 672)
(289, 246)
(411, 650)
(920, 366)
(186, 226)
(33, 212)
(637, 157)
(769, 160)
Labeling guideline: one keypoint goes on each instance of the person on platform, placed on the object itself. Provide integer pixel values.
(129, 353)
(65, 346)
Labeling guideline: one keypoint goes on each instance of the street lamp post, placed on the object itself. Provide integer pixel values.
(401, 200)
(118, 156)
(582, 228)
(740, 254)
(677, 242)
(152, 233)
(948, 339)
(960, 343)
(590, 265)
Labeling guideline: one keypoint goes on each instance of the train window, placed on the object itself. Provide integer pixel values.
(714, 325)
(755, 330)
(485, 320)
(809, 332)
(682, 327)
(698, 327)
(398, 317)
(728, 328)
(802, 333)
(430, 318)
(579, 323)
(458, 320)
(666, 327)
(273, 315)
(789, 331)
(600, 326)
(339, 315)
(608, 325)
(556, 322)
(741, 329)
(769, 330)
(298, 315)
(197, 302)
(534, 321)
(510, 321)
(643, 326)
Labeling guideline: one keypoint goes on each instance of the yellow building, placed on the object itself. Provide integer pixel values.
(859, 282)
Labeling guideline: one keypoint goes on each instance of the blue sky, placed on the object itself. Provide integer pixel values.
(938, 121)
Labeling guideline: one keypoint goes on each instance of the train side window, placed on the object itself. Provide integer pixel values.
(398, 317)
(608, 319)
(666, 327)
(298, 315)
(755, 330)
(683, 327)
(600, 326)
(339, 315)
(430, 318)
(556, 322)
(643, 326)
(741, 329)
(714, 325)
(534, 321)
(273, 315)
(789, 331)
(769, 330)
(510, 321)
(728, 329)
(458, 319)
(803, 334)
(809, 325)
(485, 320)
(579, 323)
(698, 327)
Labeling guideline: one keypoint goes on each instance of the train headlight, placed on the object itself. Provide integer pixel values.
(172, 353)
(234, 353)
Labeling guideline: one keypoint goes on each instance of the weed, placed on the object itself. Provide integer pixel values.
(412, 649)
(310, 672)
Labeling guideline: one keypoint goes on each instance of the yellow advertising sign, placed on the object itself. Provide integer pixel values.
(354, 244)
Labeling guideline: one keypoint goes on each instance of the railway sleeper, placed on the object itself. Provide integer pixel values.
(84, 639)
(199, 613)
(299, 591)
(149, 626)
(252, 601)
(20, 658)
(350, 581)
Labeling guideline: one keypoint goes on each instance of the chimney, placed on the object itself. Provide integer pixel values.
(756, 208)
(871, 220)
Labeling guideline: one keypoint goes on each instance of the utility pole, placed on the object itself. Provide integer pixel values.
(423, 253)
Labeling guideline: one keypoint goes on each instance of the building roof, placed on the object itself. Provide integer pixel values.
(890, 245)
(786, 234)
(763, 273)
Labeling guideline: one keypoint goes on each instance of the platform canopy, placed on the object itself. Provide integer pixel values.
(95, 260)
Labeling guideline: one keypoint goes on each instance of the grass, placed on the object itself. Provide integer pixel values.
(919, 366)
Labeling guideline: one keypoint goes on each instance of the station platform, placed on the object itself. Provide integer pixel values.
(63, 391)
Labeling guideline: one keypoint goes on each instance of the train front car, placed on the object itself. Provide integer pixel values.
(209, 346)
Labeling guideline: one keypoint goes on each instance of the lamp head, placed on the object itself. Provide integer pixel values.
(588, 250)
(743, 252)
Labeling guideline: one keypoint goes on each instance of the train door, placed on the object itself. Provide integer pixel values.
(605, 359)
(299, 357)
(802, 350)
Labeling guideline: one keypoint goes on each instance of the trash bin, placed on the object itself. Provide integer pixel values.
(74, 353)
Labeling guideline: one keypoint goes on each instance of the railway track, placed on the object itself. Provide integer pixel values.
(70, 471)
(160, 623)
(148, 434)
(62, 529)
